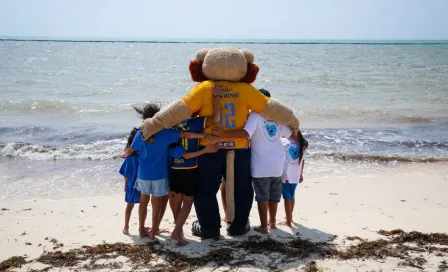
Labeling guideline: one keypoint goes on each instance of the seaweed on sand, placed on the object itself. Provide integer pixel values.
(396, 244)
(13, 262)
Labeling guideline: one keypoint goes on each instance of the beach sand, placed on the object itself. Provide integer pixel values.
(411, 198)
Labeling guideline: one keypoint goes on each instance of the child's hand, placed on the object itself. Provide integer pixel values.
(218, 90)
(218, 132)
(211, 148)
(211, 138)
(124, 155)
(301, 179)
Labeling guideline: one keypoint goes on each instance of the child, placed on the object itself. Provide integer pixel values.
(129, 170)
(267, 162)
(153, 171)
(293, 172)
(184, 166)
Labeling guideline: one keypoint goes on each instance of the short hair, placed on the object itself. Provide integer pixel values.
(265, 92)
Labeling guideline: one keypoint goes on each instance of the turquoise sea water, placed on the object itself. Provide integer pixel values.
(65, 107)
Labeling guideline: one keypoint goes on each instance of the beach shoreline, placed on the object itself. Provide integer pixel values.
(410, 198)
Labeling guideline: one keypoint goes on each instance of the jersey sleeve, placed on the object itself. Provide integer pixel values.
(137, 140)
(304, 154)
(178, 152)
(286, 131)
(196, 98)
(251, 124)
(197, 124)
(171, 135)
(255, 100)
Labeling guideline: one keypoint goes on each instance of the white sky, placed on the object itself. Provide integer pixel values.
(239, 19)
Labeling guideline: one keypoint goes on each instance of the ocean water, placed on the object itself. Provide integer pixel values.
(65, 108)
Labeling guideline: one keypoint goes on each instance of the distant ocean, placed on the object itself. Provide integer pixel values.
(65, 107)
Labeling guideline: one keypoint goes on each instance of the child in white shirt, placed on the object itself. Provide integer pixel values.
(292, 173)
(267, 162)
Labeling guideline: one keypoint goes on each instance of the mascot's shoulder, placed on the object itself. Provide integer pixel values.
(206, 84)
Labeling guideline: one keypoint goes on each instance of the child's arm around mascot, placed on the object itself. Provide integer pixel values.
(232, 67)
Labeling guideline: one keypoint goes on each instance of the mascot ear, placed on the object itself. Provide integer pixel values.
(196, 71)
(251, 75)
(248, 55)
(200, 55)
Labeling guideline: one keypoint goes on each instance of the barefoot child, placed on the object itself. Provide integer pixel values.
(129, 170)
(293, 172)
(153, 170)
(184, 167)
(267, 161)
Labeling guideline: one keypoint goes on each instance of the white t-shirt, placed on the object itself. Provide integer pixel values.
(293, 167)
(268, 155)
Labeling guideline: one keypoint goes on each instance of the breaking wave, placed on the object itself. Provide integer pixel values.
(377, 158)
(98, 150)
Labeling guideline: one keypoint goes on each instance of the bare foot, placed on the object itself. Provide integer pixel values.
(152, 236)
(158, 232)
(144, 233)
(286, 223)
(261, 230)
(272, 224)
(126, 230)
(178, 237)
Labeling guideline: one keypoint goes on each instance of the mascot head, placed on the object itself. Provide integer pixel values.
(224, 64)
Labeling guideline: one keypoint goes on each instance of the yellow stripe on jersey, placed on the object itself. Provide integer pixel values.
(236, 102)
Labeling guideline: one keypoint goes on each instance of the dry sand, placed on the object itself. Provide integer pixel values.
(412, 198)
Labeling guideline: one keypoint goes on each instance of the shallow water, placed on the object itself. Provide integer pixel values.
(66, 107)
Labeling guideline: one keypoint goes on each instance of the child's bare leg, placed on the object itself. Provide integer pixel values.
(127, 217)
(288, 213)
(164, 204)
(156, 212)
(177, 205)
(263, 212)
(223, 198)
(171, 199)
(293, 202)
(272, 206)
(142, 212)
(181, 218)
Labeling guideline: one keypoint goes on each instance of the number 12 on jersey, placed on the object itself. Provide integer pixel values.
(227, 113)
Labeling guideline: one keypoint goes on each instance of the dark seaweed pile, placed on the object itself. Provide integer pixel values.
(237, 254)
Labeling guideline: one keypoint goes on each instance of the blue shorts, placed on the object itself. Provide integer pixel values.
(156, 188)
(288, 190)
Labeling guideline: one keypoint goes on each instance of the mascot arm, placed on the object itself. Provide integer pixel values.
(272, 109)
(275, 110)
(177, 111)
(169, 116)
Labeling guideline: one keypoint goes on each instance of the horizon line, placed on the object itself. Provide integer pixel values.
(225, 41)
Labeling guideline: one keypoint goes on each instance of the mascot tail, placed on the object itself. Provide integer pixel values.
(230, 182)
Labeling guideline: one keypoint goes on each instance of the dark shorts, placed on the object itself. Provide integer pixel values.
(268, 189)
(184, 181)
(288, 190)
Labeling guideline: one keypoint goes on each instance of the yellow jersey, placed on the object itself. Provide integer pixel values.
(237, 100)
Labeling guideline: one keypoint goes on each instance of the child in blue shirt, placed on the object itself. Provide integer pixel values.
(184, 173)
(153, 170)
(129, 170)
